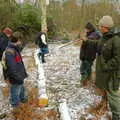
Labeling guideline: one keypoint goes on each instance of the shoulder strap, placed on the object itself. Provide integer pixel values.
(4, 59)
(10, 51)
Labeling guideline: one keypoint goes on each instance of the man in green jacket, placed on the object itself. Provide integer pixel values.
(108, 64)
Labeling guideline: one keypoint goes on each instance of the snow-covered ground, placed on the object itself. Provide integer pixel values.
(62, 71)
(63, 81)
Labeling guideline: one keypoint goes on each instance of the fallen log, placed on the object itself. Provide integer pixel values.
(63, 109)
(41, 81)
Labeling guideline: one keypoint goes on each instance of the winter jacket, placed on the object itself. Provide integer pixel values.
(88, 51)
(3, 43)
(108, 61)
(40, 42)
(15, 66)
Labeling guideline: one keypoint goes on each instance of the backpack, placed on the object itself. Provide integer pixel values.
(4, 64)
(3, 61)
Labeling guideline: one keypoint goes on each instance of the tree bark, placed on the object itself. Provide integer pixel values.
(43, 16)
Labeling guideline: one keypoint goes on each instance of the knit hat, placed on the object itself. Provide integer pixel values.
(90, 26)
(7, 30)
(106, 21)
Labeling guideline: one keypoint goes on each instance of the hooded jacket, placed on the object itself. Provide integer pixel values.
(88, 51)
(15, 66)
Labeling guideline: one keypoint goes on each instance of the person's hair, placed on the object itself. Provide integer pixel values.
(90, 26)
(14, 39)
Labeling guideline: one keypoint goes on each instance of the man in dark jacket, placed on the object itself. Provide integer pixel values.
(4, 38)
(41, 41)
(88, 53)
(108, 64)
(16, 72)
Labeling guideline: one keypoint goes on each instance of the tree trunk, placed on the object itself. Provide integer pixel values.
(43, 16)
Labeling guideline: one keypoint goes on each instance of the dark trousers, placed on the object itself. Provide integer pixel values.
(85, 69)
(41, 57)
(1, 53)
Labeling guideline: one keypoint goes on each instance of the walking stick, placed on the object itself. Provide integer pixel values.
(69, 43)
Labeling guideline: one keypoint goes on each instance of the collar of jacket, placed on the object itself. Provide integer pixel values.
(109, 34)
(11, 45)
(89, 33)
(3, 35)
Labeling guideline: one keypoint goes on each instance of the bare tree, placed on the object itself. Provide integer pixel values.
(43, 15)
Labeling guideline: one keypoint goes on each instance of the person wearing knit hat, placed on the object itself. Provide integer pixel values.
(4, 38)
(108, 64)
(88, 54)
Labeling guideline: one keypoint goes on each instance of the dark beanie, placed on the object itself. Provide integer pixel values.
(90, 26)
(14, 39)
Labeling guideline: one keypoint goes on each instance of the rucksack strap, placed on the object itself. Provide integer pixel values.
(4, 59)
(10, 51)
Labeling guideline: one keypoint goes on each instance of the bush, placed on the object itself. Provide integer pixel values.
(6, 13)
(27, 15)
(25, 18)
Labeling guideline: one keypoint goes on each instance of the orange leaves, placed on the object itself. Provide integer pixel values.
(99, 109)
(5, 91)
(30, 111)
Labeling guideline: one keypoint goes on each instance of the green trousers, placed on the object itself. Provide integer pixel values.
(85, 69)
(114, 101)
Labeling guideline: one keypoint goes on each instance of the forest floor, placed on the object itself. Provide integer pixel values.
(62, 71)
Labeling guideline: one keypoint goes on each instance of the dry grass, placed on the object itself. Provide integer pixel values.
(31, 65)
(5, 91)
(99, 109)
(102, 107)
(28, 111)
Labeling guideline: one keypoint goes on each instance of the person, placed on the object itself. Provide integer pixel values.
(88, 53)
(4, 38)
(41, 41)
(108, 64)
(16, 72)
